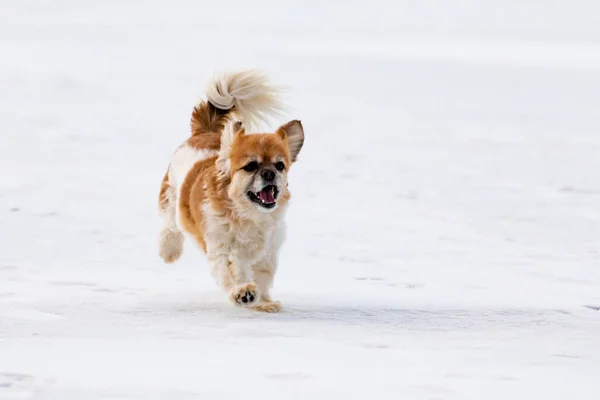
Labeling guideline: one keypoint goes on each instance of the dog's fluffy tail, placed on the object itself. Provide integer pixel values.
(247, 94)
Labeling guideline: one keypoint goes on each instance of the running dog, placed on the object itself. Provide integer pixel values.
(227, 187)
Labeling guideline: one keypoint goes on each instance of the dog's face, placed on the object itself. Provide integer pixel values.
(259, 165)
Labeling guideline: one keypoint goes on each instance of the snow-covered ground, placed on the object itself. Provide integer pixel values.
(444, 236)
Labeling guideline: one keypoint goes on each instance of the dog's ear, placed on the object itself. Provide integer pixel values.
(294, 133)
(230, 132)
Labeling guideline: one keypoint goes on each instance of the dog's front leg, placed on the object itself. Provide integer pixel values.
(233, 276)
(243, 291)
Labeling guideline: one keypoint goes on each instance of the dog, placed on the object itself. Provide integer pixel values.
(227, 187)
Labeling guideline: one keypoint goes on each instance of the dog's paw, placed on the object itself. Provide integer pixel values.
(268, 307)
(170, 246)
(245, 295)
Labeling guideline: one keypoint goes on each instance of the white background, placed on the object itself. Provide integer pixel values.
(444, 233)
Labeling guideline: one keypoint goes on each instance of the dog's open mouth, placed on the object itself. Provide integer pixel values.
(267, 197)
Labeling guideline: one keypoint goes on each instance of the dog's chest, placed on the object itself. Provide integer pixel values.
(251, 240)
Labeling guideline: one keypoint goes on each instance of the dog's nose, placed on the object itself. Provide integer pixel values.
(268, 175)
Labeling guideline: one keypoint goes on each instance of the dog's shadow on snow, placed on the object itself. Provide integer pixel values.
(417, 318)
(382, 316)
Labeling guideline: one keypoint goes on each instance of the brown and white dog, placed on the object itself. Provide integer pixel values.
(228, 188)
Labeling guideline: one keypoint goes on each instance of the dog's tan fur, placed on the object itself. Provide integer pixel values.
(206, 190)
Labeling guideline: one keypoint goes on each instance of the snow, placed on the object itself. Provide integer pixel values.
(443, 235)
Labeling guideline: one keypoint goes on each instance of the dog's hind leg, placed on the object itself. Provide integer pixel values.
(170, 237)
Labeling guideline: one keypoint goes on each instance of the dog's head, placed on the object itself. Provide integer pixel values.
(257, 165)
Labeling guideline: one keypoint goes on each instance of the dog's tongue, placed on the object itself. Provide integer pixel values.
(266, 195)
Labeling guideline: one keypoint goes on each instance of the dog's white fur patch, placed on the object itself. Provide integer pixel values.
(183, 161)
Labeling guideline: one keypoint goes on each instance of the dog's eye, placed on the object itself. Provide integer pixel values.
(279, 165)
(251, 166)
